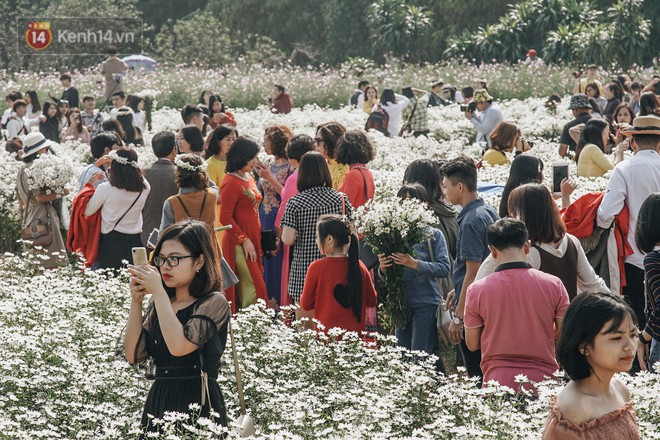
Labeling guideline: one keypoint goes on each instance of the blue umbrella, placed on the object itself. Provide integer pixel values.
(140, 62)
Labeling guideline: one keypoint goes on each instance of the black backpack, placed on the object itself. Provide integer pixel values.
(354, 99)
(378, 120)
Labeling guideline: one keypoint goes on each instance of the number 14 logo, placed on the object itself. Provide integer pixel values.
(38, 35)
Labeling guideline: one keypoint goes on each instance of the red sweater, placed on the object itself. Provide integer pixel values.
(84, 232)
(323, 276)
(357, 179)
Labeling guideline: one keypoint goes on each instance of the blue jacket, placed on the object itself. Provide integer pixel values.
(422, 286)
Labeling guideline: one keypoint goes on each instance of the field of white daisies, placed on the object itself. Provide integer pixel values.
(62, 376)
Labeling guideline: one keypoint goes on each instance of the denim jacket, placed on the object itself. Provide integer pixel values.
(422, 286)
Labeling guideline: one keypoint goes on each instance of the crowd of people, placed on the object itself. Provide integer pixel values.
(227, 229)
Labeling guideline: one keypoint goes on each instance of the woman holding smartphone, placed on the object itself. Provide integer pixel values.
(185, 332)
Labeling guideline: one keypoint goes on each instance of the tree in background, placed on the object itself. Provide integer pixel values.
(564, 31)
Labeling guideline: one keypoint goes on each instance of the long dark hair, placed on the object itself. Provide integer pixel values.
(387, 97)
(647, 233)
(212, 100)
(50, 128)
(69, 115)
(34, 100)
(648, 105)
(592, 134)
(126, 176)
(198, 239)
(533, 204)
(334, 226)
(427, 174)
(524, 169)
(130, 131)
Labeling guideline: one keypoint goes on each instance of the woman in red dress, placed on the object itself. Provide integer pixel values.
(241, 245)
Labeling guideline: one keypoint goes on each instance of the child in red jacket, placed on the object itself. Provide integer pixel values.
(338, 287)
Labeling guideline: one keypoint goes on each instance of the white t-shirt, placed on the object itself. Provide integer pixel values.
(114, 202)
(394, 111)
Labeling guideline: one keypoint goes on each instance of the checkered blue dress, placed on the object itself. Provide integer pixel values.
(301, 213)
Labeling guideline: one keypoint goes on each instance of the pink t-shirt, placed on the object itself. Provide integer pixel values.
(517, 308)
(289, 190)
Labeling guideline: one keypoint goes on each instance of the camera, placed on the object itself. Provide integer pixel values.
(471, 107)
(117, 77)
(530, 143)
(577, 74)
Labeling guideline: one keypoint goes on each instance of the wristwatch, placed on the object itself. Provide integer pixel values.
(456, 320)
(642, 340)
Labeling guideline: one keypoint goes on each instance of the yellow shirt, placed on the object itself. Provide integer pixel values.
(593, 162)
(338, 173)
(494, 157)
(216, 172)
(366, 107)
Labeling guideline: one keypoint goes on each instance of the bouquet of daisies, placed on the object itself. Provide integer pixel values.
(393, 225)
(49, 173)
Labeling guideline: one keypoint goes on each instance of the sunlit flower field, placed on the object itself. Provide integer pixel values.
(62, 376)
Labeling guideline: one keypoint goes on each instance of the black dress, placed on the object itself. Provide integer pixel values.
(178, 379)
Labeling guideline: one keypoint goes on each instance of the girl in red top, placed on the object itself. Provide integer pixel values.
(219, 113)
(241, 246)
(338, 287)
(356, 150)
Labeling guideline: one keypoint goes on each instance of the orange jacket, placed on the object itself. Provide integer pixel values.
(580, 220)
(84, 232)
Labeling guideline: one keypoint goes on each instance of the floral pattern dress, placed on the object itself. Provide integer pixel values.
(268, 209)
(240, 209)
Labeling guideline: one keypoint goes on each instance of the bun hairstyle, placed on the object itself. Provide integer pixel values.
(190, 172)
(333, 225)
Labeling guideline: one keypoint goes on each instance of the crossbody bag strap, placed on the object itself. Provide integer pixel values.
(201, 211)
(129, 208)
(364, 180)
(343, 205)
(412, 112)
(204, 375)
(183, 205)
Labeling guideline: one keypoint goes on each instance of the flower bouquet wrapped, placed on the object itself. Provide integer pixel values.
(49, 174)
(394, 225)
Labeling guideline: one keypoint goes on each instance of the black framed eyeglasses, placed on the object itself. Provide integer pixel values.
(172, 261)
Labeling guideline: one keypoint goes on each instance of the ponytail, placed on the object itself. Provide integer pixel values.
(332, 224)
(354, 286)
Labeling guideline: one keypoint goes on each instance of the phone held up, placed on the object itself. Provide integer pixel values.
(559, 173)
(140, 256)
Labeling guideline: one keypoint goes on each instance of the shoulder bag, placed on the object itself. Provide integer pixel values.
(443, 315)
(37, 233)
(366, 254)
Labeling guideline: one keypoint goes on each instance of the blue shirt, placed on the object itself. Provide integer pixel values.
(421, 286)
(471, 244)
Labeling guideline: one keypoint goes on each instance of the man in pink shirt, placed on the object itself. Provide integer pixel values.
(514, 314)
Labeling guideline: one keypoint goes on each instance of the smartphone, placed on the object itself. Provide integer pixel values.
(153, 239)
(559, 173)
(140, 256)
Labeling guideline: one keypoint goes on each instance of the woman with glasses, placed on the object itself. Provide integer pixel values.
(325, 143)
(241, 245)
(185, 331)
